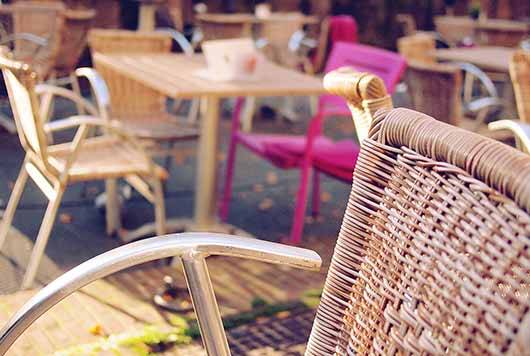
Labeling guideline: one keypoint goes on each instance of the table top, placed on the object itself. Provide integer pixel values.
(487, 58)
(174, 76)
(251, 18)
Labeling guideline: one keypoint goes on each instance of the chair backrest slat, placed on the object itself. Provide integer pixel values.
(433, 253)
(520, 75)
(127, 96)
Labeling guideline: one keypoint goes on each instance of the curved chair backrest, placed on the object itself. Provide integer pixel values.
(435, 89)
(45, 20)
(417, 47)
(136, 99)
(360, 58)
(20, 81)
(432, 256)
(520, 75)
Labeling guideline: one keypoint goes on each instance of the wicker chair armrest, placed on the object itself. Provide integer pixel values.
(520, 130)
(192, 248)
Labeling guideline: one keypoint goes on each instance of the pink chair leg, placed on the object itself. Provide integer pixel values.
(230, 162)
(301, 202)
(315, 203)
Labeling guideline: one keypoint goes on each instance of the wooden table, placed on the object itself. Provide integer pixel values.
(173, 75)
(222, 26)
(496, 59)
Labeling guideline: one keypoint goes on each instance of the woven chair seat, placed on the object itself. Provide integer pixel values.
(158, 126)
(100, 158)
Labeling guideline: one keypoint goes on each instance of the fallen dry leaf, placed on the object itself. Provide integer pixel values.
(266, 204)
(325, 197)
(272, 178)
(10, 184)
(96, 329)
(65, 218)
(283, 314)
(258, 188)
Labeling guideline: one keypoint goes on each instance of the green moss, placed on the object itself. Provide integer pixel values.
(142, 343)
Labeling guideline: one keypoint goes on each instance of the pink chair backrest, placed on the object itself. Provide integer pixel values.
(342, 28)
(388, 65)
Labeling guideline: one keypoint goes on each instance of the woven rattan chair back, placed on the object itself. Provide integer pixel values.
(45, 20)
(520, 75)
(20, 82)
(418, 47)
(128, 97)
(432, 256)
(435, 90)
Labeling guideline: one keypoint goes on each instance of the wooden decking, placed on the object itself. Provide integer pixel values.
(122, 302)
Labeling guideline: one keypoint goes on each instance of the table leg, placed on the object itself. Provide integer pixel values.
(205, 195)
(146, 17)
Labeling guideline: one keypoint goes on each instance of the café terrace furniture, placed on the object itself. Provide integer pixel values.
(418, 48)
(436, 89)
(34, 32)
(314, 153)
(432, 255)
(141, 110)
(174, 75)
(487, 58)
(483, 32)
(520, 75)
(500, 32)
(454, 29)
(53, 167)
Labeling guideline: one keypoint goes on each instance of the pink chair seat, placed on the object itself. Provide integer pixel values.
(336, 158)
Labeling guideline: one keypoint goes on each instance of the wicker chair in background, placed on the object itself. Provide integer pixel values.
(432, 256)
(435, 89)
(54, 167)
(520, 76)
(141, 110)
(417, 47)
(454, 29)
(44, 20)
(34, 31)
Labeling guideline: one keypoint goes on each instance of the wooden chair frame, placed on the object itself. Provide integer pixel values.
(52, 178)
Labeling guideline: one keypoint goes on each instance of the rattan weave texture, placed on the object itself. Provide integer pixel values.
(433, 254)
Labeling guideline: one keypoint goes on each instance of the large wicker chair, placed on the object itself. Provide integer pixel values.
(432, 256)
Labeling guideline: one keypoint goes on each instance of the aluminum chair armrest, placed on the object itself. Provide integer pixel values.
(99, 89)
(30, 37)
(76, 121)
(47, 92)
(178, 37)
(193, 248)
(520, 130)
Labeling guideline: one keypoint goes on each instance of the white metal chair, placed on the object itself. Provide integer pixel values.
(52, 167)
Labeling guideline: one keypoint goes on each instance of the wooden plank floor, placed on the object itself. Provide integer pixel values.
(122, 302)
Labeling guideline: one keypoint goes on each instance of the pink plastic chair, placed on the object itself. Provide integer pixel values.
(314, 151)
